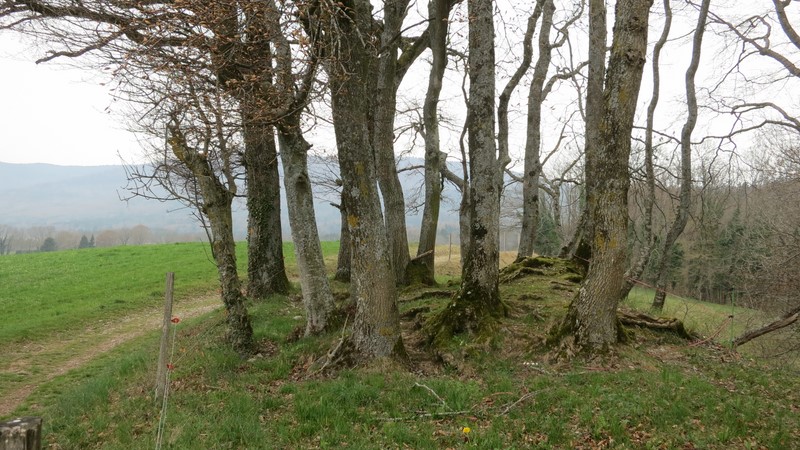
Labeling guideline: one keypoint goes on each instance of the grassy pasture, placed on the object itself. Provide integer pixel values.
(657, 392)
(46, 293)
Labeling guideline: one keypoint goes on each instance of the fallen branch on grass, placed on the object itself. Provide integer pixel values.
(784, 321)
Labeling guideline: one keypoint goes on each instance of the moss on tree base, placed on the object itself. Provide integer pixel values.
(562, 337)
(418, 272)
(467, 313)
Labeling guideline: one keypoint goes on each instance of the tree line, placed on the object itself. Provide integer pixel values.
(225, 88)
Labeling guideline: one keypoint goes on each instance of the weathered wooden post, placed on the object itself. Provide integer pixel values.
(21, 434)
(161, 373)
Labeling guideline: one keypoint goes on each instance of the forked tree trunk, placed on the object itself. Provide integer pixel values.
(266, 273)
(317, 296)
(592, 315)
(685, 196)
(434, 158)
(376, 327)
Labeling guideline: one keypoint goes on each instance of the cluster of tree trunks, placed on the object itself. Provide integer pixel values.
(257, 64)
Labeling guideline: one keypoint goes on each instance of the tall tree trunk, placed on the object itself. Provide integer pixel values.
(637, 267)
(317, 296)
(530, 176)
(217, 200)
(434, 157)
(376, 327)
(478, 302)
(266, 273)
(592, 315)
(685, 196)
(394, 203)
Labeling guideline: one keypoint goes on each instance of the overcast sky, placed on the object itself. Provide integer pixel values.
(50, 113)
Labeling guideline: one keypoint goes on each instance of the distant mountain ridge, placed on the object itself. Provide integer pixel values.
(90, 198)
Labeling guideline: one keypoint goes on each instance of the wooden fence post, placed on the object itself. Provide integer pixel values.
(161, 373)
(21, 434)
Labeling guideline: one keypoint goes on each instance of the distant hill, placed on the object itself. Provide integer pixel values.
(90, 198)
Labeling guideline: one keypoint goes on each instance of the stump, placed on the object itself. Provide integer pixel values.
(21, 434)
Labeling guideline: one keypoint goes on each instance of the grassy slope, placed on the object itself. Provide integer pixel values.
(658, 392)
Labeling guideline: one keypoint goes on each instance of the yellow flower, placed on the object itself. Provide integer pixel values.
(466, 430)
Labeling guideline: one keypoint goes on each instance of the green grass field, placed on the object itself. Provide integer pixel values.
(45, 293)
(656, 392)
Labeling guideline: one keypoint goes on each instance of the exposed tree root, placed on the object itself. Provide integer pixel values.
(642, 320)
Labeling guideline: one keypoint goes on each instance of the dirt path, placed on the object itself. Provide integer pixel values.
(36, 363)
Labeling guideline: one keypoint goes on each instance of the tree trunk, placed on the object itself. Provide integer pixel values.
(478, 302)
(592, 315)
(317, 296)
(640, 263)
(343, 258)
(217, 201)
(376, 328)
(685, 196)
(530, 176)
(265, 269)
(434, 158)
(385, 101)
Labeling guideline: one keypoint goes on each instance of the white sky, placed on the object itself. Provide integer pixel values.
(50, 113)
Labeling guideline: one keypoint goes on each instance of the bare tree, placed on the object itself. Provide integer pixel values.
(640, 260)
(682, 214)
(350, 60)
(434, 157)
(610, 109)
(477, 305)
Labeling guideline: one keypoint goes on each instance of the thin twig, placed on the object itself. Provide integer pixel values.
(444, 403)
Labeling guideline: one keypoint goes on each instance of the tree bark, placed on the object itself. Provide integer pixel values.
(216, 205)
(610, 110)
(266, 273)
(685, 196)
(434, 157)
(385, 106)
(532, 169)
(478, 300)
(317, 296)
(376, 327)
(637, 267)
(343, 257)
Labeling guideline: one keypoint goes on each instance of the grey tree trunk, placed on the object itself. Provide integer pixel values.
(478, 302)
(376, 327)
(637, 267)
(592, 315)
(266, 273)
(385, 106)
(434, 157)
(317, 296)
(530, 176)
(685, 196)
(343, 258)
(216, 205)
